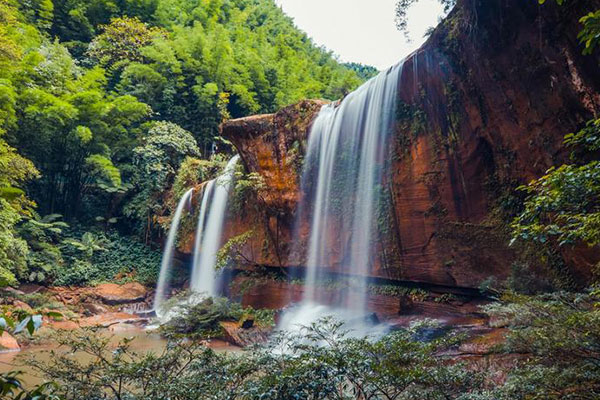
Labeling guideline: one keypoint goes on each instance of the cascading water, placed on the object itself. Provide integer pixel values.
(208, 232)
(343, 172)
(211, 217)
(207, 191)
(167, 258)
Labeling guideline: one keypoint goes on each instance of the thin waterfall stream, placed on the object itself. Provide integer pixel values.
(211, 217)
(209, 231)
(169, 251)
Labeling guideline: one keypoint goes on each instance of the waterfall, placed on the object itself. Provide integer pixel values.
(342, 180)
(211, 217)
(167, 258)
(209, 229)
(206, 196)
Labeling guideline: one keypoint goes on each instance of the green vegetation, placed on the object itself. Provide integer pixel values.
(557, 332)
(11, 388)
(201, 319)
(109, 111)
(232, 251)
(560, 334)
(365, 72)
(563, 206)
(102, 103)
(121, 259)
(398, 366)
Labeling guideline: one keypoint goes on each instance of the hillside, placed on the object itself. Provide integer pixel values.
(84, 84)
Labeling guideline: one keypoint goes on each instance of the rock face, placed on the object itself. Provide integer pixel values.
(112, 294)
(392, 308)
(483, 107)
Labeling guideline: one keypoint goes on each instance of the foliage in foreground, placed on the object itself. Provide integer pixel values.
(320, 362)
(560, 334)
(11, 388)
(552, 342)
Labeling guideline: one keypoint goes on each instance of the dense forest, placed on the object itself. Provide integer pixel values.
(102, 101)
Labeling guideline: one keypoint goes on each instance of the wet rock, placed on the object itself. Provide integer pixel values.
(67, 296)
(406, 304)
(13, 291)
(372, 319)
(248, 323)
(123, 327)
(235, 334)
(94, 309)
(104, 320)
(483, 342)
(135, 308)
(482, 132)
(65, 325)
(429, 334)
(146, 313)
(8, 342)
(109, 319)
(369, 319)
(113, 294)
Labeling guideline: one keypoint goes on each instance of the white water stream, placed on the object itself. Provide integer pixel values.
(211, 217)
(341, 182)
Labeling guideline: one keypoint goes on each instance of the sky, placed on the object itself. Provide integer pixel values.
(362, 31)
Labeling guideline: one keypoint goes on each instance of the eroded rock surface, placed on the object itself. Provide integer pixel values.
(483, 108)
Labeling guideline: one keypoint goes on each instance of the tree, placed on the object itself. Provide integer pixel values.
(156, 164)
(563, 206)
(70, 128)
(83, 81)
(402, 7)
(122, 41)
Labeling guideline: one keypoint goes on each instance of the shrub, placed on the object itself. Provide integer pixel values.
(560, 333)
(200, 318)
(122, 259)
(321, 362)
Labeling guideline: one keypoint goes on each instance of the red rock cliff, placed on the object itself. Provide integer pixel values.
(484, 105)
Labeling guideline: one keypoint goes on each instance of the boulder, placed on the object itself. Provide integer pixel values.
(8, 342)
(113, 294)
(19, 305)
(94, 309)
(235, 334)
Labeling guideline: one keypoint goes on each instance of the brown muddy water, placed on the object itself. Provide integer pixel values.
(143, 342)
